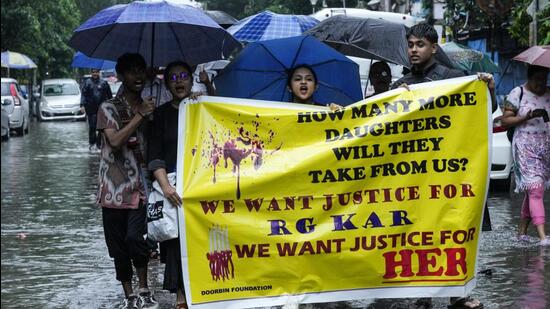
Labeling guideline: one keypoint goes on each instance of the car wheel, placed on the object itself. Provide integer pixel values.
(20, 130)
(28, 126)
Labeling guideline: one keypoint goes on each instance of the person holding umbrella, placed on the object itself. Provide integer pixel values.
(121, 182)
(94, 92)
(527, 108)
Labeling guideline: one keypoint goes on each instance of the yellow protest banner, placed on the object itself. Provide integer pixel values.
(383, 198)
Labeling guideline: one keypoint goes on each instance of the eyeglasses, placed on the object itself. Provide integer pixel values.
(180, 76)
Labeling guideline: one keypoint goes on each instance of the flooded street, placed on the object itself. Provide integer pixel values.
(54, 254)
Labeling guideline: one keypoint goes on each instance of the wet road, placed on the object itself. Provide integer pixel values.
(54, 254)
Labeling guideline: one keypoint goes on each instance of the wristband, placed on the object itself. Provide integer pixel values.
(142, 116)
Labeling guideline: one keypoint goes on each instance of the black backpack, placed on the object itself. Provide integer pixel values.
(511, 130)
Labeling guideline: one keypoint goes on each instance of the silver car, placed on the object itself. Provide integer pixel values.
(16, 106)
(59, 100)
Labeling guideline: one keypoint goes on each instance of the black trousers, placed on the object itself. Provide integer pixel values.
(124, 230)
(92, 133)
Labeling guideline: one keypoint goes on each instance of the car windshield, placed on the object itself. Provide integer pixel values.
(60, 89)
(6, 89)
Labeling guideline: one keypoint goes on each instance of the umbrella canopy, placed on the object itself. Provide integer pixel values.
(13, 60)
(160, 31)
(82, 61)
(467, 59)
(535, 55)
(364, 37)
(261, 70)
(268, 26)
(222, 18)
(369, 38)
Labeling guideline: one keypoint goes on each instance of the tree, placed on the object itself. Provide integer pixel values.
(41, 30)
(519, 26)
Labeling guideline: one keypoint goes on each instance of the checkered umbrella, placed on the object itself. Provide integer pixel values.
(268, 26)
(160, 31)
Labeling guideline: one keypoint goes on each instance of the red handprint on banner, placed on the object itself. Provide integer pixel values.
(219, 255)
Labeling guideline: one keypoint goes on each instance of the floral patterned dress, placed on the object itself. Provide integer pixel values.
(531, 143)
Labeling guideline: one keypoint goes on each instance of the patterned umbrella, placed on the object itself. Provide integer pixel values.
(268, 26)
(535, 55)
(161, 31)
(13, 60)
(467, 59)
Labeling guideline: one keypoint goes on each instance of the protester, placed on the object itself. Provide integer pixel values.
(527, 108)
(204, 84)
(94, 91)
(121, 182)
(422, 46)
(302, 84)
(162, 161)
(380, 77)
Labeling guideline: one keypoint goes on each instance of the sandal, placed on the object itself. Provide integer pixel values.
(182, 306)
(465, 303)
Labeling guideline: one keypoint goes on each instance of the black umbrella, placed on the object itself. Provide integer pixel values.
(368, 38)
(222, 18)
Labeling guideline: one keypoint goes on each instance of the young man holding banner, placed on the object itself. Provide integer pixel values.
(422, 46)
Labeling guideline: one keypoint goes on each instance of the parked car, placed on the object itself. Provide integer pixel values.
(501, 160)
(5, 125)
(16, 105)
(60, 100)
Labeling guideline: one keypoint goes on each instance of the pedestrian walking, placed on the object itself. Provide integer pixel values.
(163, 160)
(121, 183)
(422, 46)
(94, 91)
(526, 108)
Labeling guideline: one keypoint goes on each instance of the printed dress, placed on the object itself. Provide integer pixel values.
(531, 143)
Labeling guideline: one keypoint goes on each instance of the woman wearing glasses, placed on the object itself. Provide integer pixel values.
(163, 147)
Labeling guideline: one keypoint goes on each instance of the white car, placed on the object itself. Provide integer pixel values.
(16, 106)
(501, 161)
(60, 100)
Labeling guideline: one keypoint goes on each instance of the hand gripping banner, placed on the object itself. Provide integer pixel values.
(285, 202)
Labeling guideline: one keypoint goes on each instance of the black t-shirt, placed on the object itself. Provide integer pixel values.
(163, 141)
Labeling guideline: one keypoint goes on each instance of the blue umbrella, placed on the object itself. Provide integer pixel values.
(268, 26)
(260, 71)
(82, 61)
(160, 31)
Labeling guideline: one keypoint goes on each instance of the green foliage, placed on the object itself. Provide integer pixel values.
(544, 26)
(41, 30)
(519, 27)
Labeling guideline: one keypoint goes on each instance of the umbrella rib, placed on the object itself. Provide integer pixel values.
(272, 55)
(105, 35)
(267, 86)
(353, 45)
(178, 42)
(297, 52)
(336, 89)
